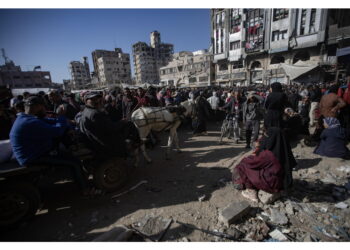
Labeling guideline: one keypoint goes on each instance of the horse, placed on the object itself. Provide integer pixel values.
(159, 119)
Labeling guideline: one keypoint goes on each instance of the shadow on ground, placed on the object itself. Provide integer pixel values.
(66, 216)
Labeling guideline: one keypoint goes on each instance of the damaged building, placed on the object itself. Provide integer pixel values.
(148, 59)
(188, 69)
(80, 73)
(253, 46)
(111, 67)
(13, 77)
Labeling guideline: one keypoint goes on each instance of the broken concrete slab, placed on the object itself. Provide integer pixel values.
(118, 233)
(278, 217)
(234, 212)
(289, 208)
(153, 227)
(268, 198)
(278, 235)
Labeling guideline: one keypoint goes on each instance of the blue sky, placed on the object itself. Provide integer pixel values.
(54, 37)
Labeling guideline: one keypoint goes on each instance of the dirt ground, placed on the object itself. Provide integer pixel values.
(192, 188)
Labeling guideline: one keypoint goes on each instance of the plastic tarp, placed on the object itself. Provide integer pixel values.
(298, 69)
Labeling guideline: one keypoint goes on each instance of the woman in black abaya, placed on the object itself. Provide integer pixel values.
(275, 104)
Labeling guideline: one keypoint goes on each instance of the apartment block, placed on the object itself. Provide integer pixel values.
(80, 73)
(253, 46)
(111, 67)
(148, 59)
(188, 68)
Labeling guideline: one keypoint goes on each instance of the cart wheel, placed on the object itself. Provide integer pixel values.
(19, 201)
(111, 175)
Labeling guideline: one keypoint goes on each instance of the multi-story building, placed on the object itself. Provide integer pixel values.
(111, 67)
(80, 73)
(338, 41)
(148, 59)
(188, 68)
(13, 77)
(267, 45)
(228, 35)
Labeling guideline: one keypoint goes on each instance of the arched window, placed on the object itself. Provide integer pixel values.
(255, 65)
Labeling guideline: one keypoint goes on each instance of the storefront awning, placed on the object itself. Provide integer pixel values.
(298, 69)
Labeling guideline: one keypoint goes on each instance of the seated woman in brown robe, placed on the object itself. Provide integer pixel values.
(269, 168)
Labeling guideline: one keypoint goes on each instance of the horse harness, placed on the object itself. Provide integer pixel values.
(149, 121)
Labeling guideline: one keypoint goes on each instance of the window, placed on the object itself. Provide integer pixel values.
(255, 30)
(283, 34)
(235, 21)
(192, 79)
(279, 14)
(237, 64)
(235, 45)
(275, 35)
(303, 21)
(312, 20)
(203, 79)
(279, 35)
(223, 66)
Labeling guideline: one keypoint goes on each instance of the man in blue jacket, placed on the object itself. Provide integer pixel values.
(33, 139)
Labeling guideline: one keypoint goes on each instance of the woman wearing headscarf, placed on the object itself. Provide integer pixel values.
(333, 140)
(269, 168)
(275, 104)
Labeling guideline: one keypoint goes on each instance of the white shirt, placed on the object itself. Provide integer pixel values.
(214, 102)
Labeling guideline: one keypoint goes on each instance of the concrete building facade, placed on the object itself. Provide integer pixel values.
(13, 77)
(188, 68)
(148, 59)
(80, 73)
(111, 67)
(256, 45)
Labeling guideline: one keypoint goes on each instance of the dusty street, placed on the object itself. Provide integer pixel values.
(193, 187)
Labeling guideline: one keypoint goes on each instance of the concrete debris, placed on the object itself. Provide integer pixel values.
(278, 217)
(267, 198)
(118, 233)
(278, 235)
(313, 171)
(341, 205)
(234, 212)
(289, 208)
(345, 169)
(202, 198)
(257, 231)
(329, 180)
(154, 227)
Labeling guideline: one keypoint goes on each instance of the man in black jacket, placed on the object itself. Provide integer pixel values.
(102, 134)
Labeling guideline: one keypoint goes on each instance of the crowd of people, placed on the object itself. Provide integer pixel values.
(43, 128)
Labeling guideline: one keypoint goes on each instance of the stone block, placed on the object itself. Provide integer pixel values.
(234, 212)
